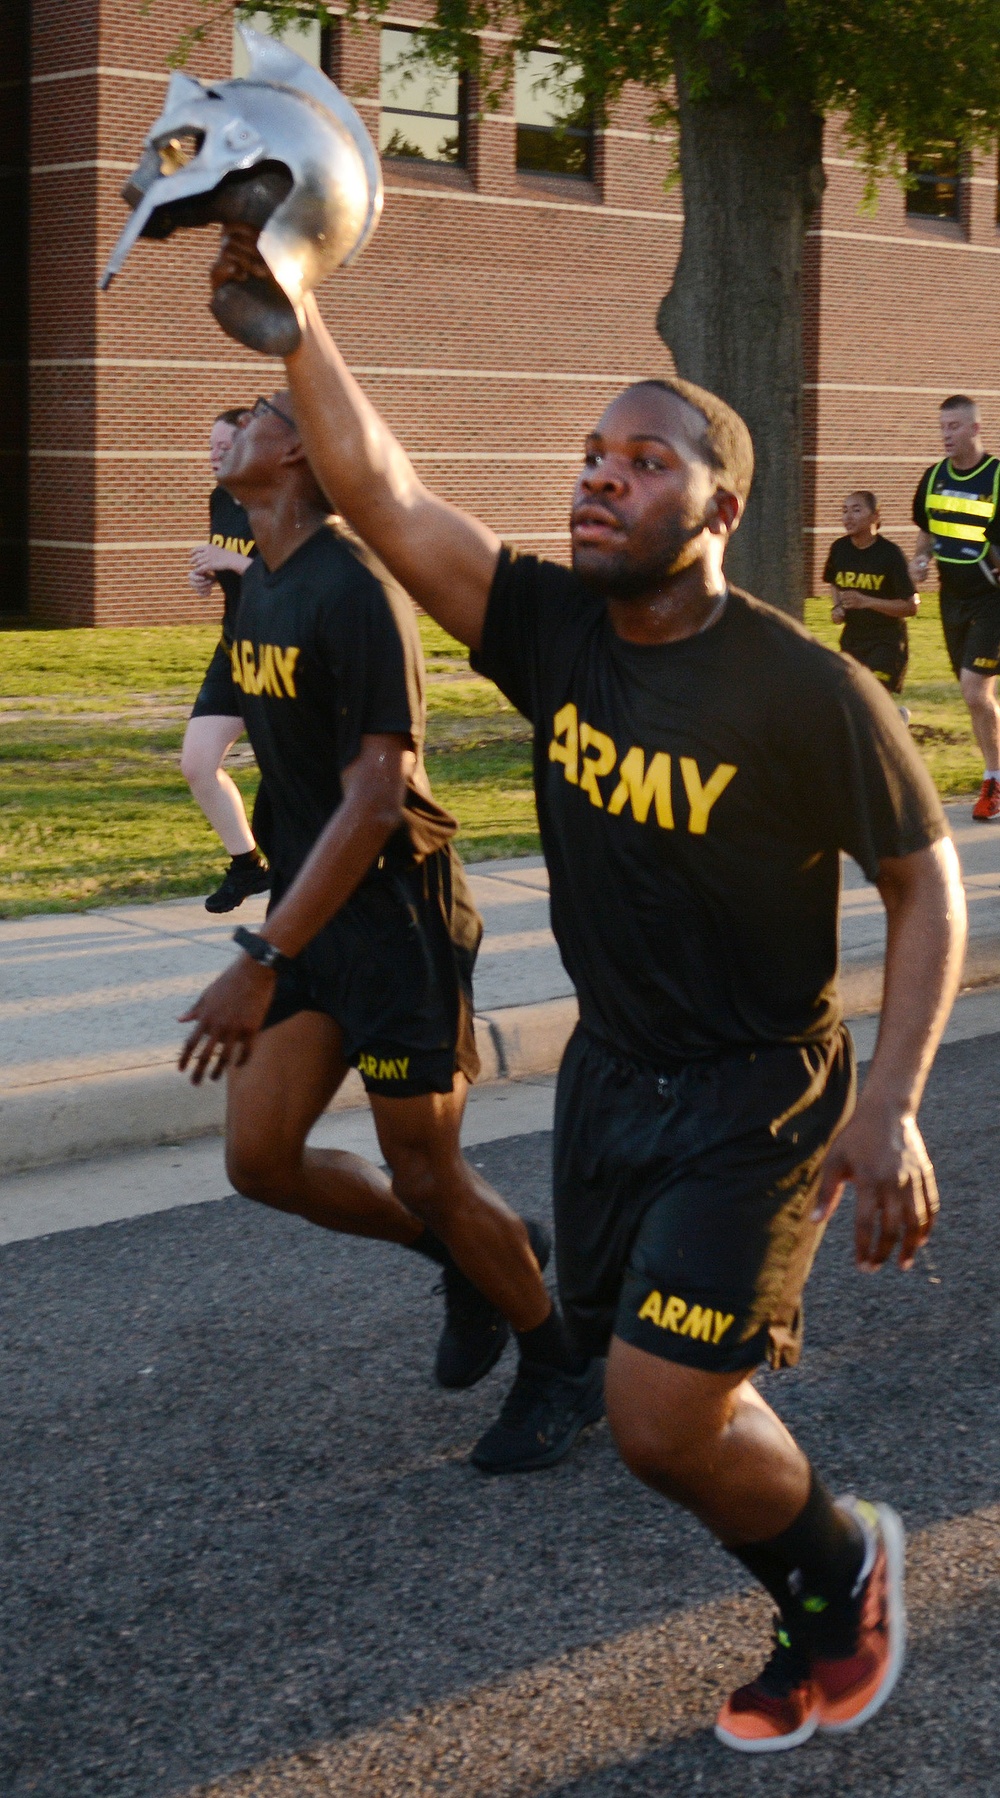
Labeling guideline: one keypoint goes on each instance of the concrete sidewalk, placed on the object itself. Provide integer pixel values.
(89, 1001)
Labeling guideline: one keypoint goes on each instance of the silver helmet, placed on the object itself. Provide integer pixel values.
(281, 150)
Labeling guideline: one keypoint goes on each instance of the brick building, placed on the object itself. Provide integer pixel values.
(511, 287)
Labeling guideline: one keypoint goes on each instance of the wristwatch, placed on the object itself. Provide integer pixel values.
(259, 949)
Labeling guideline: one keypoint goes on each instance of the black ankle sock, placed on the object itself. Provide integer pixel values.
(435, 1250)
(248, 858)
(814, 1563)
(551, 1345)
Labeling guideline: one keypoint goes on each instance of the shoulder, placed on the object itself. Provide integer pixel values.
(544, 595)
(364, 595)
(838, 546)
(554, 580)
(893, 550)
(339, 562)
(782, 648)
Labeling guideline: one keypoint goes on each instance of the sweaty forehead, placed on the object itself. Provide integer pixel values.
(653, 412)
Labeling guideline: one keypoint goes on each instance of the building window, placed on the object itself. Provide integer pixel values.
(306, 38)
(423, 106)
(555, 133)
(936, 173)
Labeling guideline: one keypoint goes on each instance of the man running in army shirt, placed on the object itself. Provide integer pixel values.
(700, 763)
(366, 957)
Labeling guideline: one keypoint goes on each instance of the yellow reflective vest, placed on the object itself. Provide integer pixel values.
(960, 504)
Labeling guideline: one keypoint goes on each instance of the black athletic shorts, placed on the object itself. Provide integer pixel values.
(972, 633)
(217, 694)
(394, 970)
(886, 662)
(683, 1200)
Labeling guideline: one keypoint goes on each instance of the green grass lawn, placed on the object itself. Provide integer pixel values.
(93, 810)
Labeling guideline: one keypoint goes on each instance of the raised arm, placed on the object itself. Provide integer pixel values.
(442, 556)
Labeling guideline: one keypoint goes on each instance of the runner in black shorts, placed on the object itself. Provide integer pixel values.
(955, 509)
(215, 723)
(366, 958)
(700, 762)
(873, 594)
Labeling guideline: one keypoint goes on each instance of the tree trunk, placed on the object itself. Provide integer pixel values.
(733, 317)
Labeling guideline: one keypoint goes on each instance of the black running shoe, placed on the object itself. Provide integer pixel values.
(542, 1416)
(242, 878)
(475, 1333)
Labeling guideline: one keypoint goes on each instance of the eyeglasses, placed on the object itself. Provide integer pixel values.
(261, 405)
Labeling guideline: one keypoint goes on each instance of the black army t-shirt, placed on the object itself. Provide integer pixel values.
(323, 654)
(229, 528)
(692, 799)
(881, 571)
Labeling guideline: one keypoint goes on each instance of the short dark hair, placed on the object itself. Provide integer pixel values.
(957, 402)
(230, 417)
(726, 442)
(866, 494)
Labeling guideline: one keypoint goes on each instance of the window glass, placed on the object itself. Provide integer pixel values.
(422, 110)
(554, 127)
(937, 175)
(305, 38)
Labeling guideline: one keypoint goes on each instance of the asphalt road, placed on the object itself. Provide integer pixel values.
(238, 1531)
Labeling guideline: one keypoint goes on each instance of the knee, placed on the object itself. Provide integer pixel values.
(418, 1180)
(979, 697)
(193, 767)
(668, 1451)
(256, 1172)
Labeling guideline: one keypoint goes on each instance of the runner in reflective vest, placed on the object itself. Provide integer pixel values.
(955, 509)
(959, 505)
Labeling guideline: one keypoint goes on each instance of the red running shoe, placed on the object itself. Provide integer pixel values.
(853, 1687)
(987, 807)
(779, 1709)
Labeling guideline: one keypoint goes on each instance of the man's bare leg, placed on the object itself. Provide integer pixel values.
(708, 1441)
(980, 694)
(711, 1443)
(419, 1138)
(274, 1100)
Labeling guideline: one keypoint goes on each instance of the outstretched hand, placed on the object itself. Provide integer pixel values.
(881, 1154)
(228, 1016)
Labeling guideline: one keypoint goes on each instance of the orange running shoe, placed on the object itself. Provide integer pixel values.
(987, 807)
(779, 1709)
(853, 1687)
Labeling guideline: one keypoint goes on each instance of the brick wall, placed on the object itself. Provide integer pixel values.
(15, 41)
(491, 317)
(906, 314)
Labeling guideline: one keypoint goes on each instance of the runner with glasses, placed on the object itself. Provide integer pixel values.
(367, 955)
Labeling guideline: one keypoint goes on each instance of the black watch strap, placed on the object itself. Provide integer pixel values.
(261, 950)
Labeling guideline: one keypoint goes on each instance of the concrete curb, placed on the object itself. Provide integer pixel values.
(127, 1108)
(94, 1114)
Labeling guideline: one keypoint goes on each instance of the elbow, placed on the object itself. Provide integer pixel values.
(385, 815)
